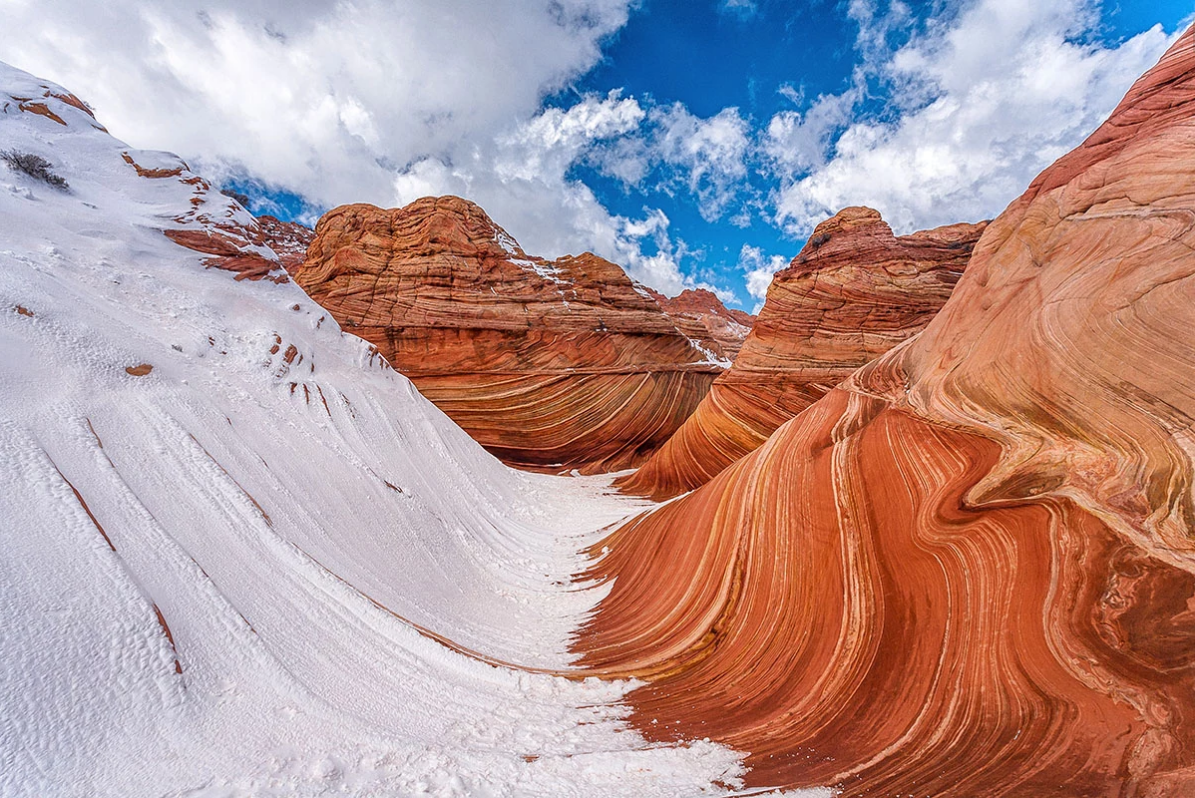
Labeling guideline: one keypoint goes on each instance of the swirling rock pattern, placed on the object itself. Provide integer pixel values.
(550, 365)
(854, 292)
(702, 317)
(968, 570)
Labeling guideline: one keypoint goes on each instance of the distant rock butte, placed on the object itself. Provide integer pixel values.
(702, 317)
(854, 292)
(551, 365)
(970, 568)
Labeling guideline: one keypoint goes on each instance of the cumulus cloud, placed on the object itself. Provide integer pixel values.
(373, 101)
(322, 98)
(986, 97)
(758, 270)
(710, 153)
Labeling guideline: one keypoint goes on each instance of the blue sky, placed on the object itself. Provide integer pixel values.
(695, 142)
(762, 58)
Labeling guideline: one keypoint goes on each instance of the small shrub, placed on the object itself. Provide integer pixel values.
(236, 195)
(35, 166)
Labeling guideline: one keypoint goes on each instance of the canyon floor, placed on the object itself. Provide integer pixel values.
(243, 556)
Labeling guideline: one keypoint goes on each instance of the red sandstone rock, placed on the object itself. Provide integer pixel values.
(969, 569)
(550, 365)
(702, 317)
(289, 241)
(217, 225)
(854, 292)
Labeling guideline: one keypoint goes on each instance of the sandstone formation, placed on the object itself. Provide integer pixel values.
(551, 365)
(288, 240)
(970, 568)
(217, 225)
(702, 317)
(854, 292)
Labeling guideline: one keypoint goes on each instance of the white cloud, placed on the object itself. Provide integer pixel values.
(989, 96)
(759, 270)
(710, 153)
(743, 9)
(322, 98)
(796, 142)
(554, 140)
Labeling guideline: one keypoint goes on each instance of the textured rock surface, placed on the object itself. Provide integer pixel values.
(854, 292)
(701, 316)
(969, 569)
(288, 240)
(548, 364)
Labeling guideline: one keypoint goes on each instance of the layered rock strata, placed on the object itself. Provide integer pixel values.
(702, 317)
(551, 365)
(970, 568)
(854, 292)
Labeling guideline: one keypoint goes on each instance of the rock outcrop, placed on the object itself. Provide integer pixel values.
(214, 224)
(551, 365)
(854, 292)
(970, 568)
(702, 317)
(288, 240)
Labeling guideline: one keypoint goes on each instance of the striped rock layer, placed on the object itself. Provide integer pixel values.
(854, 292)
(969, 569)
(702, 317)
(550, 365)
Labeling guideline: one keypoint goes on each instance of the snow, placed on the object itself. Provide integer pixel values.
(710, 356)
(545, 270)
(360, 600)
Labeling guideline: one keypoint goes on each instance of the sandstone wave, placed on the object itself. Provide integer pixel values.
(550, 365)
(854, 292)
(968, 570)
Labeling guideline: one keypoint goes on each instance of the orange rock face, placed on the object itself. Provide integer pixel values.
(550, 365)
(970, 568)
(854, 292)
(702, 317)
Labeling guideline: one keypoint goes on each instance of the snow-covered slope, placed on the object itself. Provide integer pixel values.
(267, 566)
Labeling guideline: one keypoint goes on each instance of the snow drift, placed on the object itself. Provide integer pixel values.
(242, 555)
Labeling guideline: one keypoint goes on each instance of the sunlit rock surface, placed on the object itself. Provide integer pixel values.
(854, 292)
(550, 365)
(967, 571)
